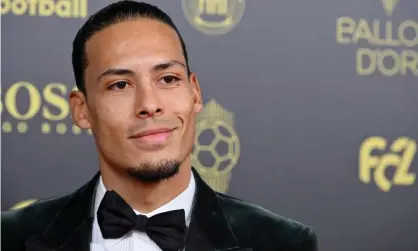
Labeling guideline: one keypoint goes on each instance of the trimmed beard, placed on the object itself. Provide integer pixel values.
(155, 172)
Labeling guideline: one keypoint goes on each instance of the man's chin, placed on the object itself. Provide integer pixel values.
(155, 172)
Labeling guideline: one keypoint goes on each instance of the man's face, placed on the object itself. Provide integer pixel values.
(141, 103)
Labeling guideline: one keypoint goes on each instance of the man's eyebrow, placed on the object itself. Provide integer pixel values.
(124, 72)
(168, 64)
(116, 71)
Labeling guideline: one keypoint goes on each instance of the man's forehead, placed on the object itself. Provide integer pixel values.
(124, 38)
(145, 30)
(121, 44)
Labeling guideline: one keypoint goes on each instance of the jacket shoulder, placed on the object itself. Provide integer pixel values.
(257, 227)
(18, 225)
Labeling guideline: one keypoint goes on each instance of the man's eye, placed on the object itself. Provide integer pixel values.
(119, 85)
(170, 79)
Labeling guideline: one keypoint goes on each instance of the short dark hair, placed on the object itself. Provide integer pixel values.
(112, 14)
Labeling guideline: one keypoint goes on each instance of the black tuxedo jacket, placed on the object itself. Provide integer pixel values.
(219, 222)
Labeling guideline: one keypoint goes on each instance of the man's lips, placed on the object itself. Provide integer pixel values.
(156, 136)
(151, 132)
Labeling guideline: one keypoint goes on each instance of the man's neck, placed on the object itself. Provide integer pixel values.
(146, 197)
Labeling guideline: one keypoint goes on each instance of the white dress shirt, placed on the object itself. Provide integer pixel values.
(138, 240)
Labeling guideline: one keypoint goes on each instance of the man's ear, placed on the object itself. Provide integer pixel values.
(197, 95)
(79, 110)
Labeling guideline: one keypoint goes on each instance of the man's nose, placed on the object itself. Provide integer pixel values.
(149, 104)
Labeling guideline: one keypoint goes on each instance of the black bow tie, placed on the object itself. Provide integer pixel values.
(116, 218)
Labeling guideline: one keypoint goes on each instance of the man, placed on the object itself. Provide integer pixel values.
(138, 96)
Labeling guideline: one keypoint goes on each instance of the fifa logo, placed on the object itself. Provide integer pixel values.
(376, 156)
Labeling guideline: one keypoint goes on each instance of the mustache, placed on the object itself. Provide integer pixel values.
(154, 123)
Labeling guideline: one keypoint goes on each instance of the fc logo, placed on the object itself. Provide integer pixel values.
(375, 158)
(213, 17)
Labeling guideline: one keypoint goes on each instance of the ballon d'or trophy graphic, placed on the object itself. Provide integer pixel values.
(217, 147)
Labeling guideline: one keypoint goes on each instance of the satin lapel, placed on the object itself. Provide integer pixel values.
(209, 228)
(72, 228)
(33, 244)
(81, 238)
(196, 240)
